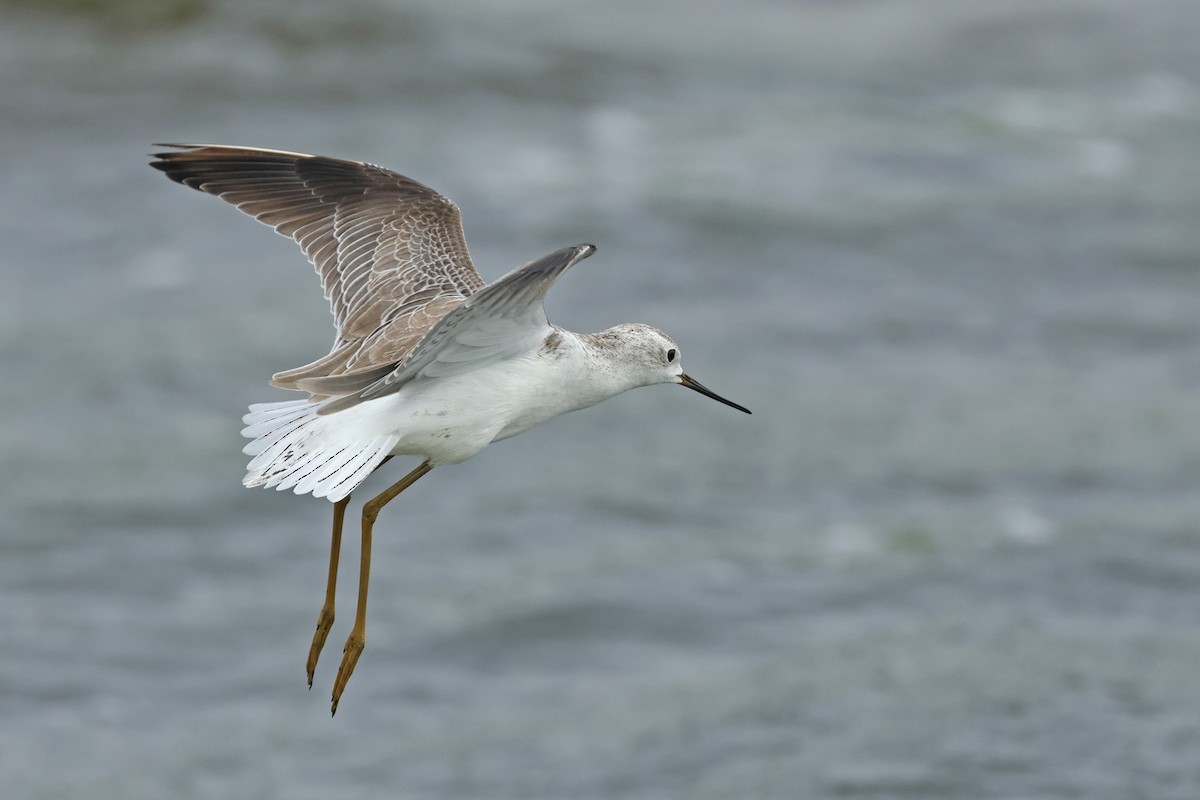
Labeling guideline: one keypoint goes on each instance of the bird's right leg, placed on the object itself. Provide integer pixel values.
(325, 618)
(358, 634)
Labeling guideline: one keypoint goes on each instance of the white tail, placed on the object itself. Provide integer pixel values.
(296, 449)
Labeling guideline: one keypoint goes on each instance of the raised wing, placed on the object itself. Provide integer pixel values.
(390, 251)
(501, 321)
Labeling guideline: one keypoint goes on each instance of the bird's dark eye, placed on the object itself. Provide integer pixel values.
(670, 355)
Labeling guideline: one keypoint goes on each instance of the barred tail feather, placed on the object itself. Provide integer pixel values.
(266, 417)
(296, 449)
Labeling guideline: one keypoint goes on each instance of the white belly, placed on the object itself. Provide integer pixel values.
(451, 419)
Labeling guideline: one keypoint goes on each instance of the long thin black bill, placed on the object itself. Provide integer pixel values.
(693, 385)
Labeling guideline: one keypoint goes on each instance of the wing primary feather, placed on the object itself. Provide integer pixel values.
(375, 238)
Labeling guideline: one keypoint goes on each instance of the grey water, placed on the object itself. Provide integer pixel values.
(947, 252)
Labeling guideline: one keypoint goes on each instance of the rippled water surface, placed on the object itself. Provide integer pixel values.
(947, 252)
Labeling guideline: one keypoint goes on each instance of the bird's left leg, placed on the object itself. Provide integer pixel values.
(325, 618)
(357, 638)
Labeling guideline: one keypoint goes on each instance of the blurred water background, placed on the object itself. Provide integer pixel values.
(948, 253)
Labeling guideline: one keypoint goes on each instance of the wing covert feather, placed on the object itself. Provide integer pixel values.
(501, 321)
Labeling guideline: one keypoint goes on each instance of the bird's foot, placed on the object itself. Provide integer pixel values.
(350, 654)
(324, 623)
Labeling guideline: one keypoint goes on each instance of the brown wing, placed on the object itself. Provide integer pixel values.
(499, 322)
(390, 251)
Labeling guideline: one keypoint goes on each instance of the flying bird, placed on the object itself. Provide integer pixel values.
(428, 359)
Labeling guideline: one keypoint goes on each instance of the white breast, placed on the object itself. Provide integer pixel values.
(451, 419)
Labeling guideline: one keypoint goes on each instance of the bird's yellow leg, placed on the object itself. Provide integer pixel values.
(325, 618)
(358, 634)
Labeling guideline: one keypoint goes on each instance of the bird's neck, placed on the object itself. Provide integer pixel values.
(599, 372)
